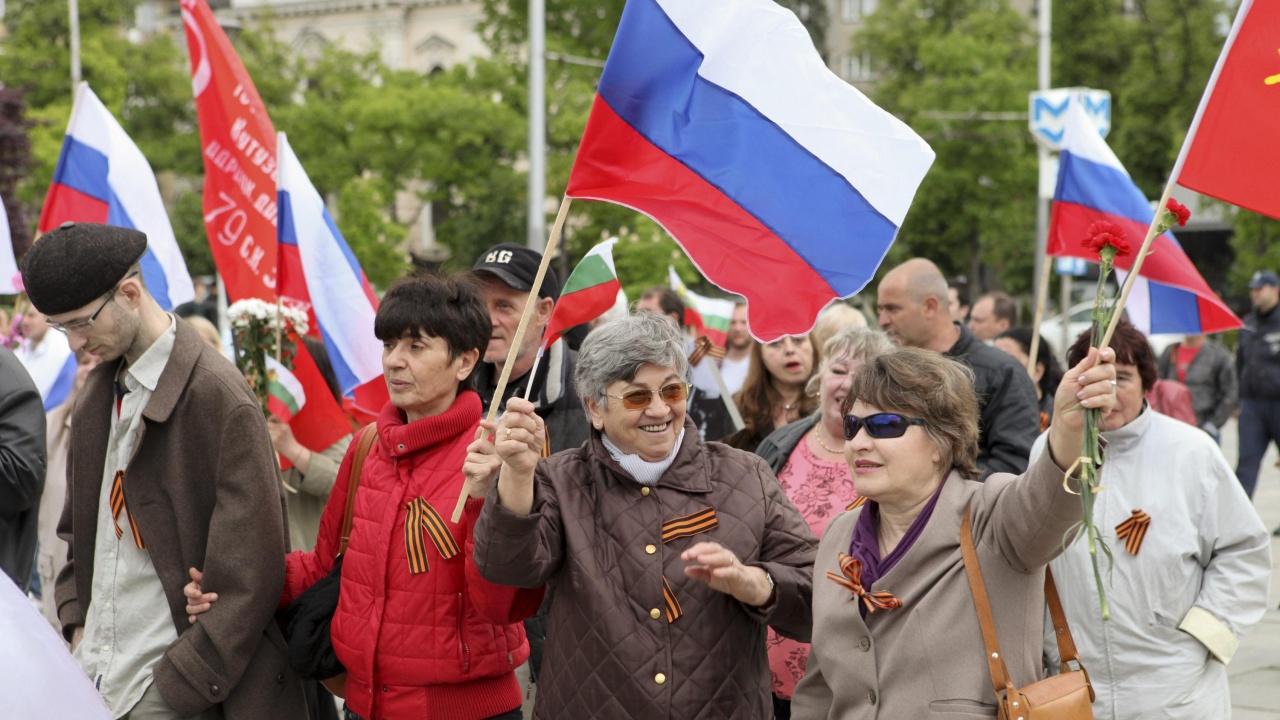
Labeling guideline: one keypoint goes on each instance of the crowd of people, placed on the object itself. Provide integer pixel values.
(622, 536)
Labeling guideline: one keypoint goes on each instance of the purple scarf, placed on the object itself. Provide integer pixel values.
(865, 544)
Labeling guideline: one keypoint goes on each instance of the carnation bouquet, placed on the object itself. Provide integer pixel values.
(261, 328)
(1109, 242)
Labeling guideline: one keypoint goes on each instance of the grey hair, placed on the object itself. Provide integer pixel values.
(857, 342)
(615, 351)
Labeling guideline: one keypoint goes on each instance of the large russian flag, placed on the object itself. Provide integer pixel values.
(1169, 296)
(719, 119)
(103, 177)
(343, 303)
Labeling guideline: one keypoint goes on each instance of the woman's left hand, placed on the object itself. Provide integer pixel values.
(717, 566)
(483, 462)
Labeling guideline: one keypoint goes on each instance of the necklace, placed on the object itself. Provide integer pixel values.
(818, 436)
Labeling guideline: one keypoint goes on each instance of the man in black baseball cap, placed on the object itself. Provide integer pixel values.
(506, 272)
(173, 469)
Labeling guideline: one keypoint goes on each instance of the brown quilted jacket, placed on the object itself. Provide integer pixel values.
(597, 536)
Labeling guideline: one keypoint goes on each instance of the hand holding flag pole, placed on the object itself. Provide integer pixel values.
(529, 305)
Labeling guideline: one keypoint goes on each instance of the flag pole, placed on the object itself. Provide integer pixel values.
(1041, 300)
(1152, 234)
(530, 303)
(533, 372)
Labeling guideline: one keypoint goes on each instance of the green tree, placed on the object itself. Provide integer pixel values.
(940, 63)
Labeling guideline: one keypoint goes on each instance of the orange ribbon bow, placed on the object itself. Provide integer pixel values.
(422, 519)
(851, 580)
(703, 347)
(682, 527)
(1133, 531)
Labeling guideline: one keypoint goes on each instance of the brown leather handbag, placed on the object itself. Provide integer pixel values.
(1067, 696)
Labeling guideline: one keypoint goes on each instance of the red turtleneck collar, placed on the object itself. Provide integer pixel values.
(400, 438)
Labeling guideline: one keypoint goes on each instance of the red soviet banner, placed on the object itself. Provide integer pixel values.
(239, 147)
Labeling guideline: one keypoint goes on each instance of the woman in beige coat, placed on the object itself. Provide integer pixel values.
(896, 635)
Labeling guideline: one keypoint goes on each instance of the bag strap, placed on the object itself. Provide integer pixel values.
(1061, 630)
(999, 672)
(367, 436)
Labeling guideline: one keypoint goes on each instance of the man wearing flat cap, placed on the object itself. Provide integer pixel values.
(171, 468)
(506, 272)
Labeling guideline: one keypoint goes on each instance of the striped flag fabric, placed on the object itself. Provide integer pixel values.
(1231, 152)
(589, 292)
(317, 265)
(52, 366)
(285, 396)
(10, 278)
(103, 177)
(710, 315)
(719, 119)
(1169, 296)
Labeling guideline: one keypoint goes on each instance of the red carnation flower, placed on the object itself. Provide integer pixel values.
(1179, 210)
(1102, 234)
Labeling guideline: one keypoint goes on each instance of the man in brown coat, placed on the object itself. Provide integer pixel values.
(171, 467)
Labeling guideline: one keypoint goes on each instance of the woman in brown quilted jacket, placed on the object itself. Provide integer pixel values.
(668, 555)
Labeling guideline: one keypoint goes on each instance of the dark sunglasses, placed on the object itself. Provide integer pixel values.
(882, 426)
(639, 399)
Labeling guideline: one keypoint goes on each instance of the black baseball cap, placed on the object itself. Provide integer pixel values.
(517, 267)
(1263, 277)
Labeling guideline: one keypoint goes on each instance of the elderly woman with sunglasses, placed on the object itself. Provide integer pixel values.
(895, 631)
(668, 556)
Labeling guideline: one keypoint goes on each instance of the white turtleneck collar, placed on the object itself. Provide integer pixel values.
(644, 472)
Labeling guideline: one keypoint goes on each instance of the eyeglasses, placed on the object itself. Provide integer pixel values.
(86, 324)
(882, 426)
(639, 399)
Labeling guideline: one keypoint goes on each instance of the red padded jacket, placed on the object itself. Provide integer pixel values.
(443, 643)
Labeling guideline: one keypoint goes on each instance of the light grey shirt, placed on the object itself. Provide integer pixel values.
(1196, 585)
(127, 625)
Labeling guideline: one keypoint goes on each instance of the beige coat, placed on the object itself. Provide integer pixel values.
(926, 659)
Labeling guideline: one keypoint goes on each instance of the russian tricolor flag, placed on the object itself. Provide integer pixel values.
(342, 300)
(1169, 295)
(718, 119)
(103, 177)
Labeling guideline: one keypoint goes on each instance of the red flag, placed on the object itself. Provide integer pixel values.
(1232, 151)
(239, 148)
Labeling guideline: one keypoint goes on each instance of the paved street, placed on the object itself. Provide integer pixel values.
(1255, 670)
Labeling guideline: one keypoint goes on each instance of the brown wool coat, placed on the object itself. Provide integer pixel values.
(926, 659)
(591, 533)
(204, 488)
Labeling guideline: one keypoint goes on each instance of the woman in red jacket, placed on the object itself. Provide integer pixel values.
(420, 632)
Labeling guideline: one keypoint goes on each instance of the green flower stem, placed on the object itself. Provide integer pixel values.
(1090, 473)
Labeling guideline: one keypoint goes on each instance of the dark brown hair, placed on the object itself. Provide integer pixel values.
(758, 397)
(1131, 347)
(924, 384)
(441, 306)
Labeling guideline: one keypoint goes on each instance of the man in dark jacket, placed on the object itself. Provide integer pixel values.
(22, 460)
(1209, 372)
(171, 468)
(1258, 362)
(913, 308)
(506, 272)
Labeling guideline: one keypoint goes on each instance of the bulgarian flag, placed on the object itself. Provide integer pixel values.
(285, 396)
(710, 315)
(592, 288)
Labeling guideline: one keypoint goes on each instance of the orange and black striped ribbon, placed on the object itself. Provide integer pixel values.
(703, 347)
(689, 525)
(683, 527)
(118, 506)
(1133, 531)
(421, 520)
(546, 441)
(674, 610)
(850, 578)
(857, 503)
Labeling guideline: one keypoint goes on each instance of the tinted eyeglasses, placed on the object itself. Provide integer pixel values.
(83, 325)
(881, 426)
(639, 399)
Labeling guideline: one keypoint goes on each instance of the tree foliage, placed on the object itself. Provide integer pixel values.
(940, 62)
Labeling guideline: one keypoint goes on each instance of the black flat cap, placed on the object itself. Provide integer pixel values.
(517, 267)
(78, 263)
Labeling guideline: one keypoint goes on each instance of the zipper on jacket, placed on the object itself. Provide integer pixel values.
(463, 649)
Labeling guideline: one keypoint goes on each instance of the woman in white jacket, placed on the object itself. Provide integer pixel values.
(1192, 560)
